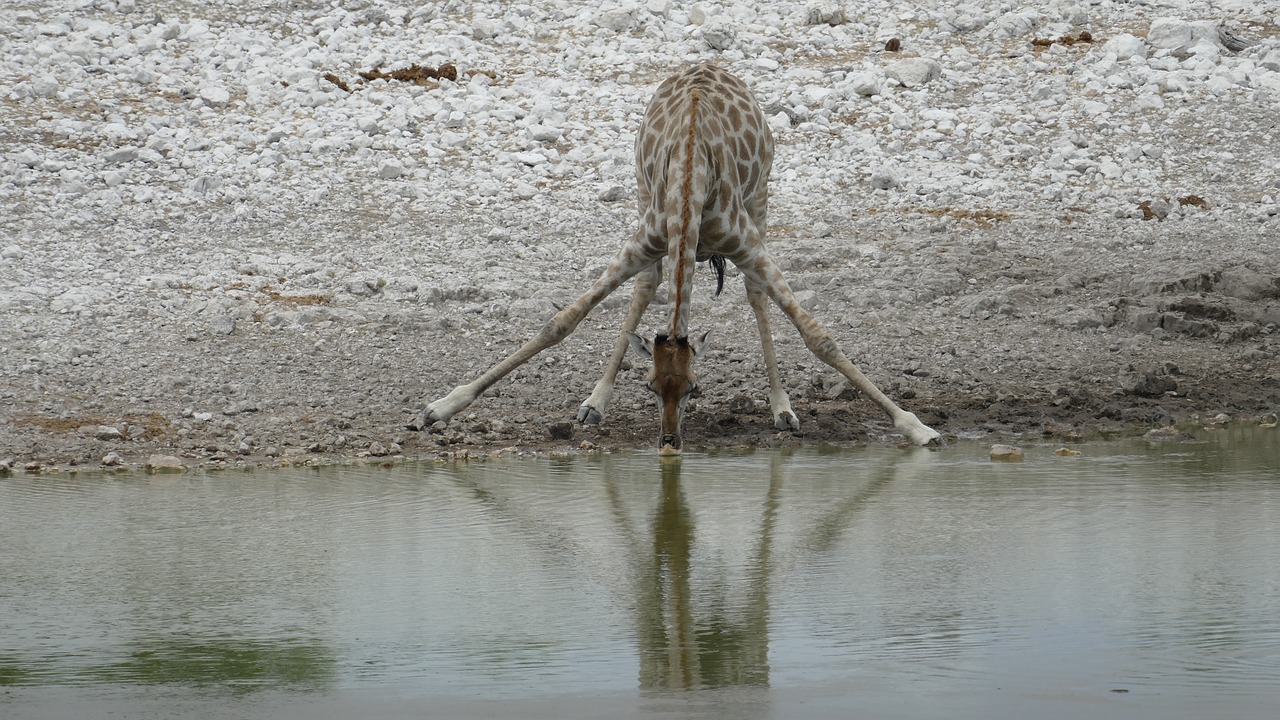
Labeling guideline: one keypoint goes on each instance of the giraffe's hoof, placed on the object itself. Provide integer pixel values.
(588, 415)
(418, 423)
(787, 420)
(936, 443)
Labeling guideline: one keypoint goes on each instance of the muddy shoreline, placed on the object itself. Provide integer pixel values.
(1013, 364)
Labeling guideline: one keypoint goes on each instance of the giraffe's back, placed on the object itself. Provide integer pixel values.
(708, 110)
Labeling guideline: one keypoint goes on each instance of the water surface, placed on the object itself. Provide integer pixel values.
(1136, 580)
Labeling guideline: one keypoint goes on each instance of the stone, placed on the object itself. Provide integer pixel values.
(112, 460)
(617, 19)
(865, 84)
(390, 170)
(107, 432)
(121, 155)
(883, 180)
(613, 193)
(215, 95)
(1006, 453)
(658, 7)
(545, 133)
(484, 29)
(914, 72)
(719, 33)
(1169, 33)
(964, 18)
(1149, 384)
(222, 325)
(561, 430)
(1125, 46)
(159, 464)
(824, 12)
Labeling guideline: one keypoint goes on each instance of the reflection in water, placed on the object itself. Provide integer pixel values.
(684, 645)
(928, 579)
(238, 664)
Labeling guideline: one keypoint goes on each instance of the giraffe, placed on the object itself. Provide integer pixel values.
(703, 156)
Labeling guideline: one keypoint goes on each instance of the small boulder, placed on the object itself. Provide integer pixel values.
(561, 430)
(914, 72)
(165, 464)
(1006, 452)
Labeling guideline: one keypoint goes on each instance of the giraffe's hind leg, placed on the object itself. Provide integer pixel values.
(779, 404)
(757, 266)
(592, 410)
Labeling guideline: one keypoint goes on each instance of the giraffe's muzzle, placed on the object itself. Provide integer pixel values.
(670, 445)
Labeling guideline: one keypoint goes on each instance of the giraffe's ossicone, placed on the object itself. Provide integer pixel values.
(703, 155)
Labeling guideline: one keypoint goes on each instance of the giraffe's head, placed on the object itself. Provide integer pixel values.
(672, 381)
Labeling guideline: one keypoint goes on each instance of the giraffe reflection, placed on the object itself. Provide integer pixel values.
(692, 563)
(685, 641)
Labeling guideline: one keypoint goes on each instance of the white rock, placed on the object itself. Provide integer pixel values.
(1169, 33)
(11, 252)
(530, 158)
(1014, 24)
(719, 33)
(658, 7)
(215, 95)
(45, 87)
(390, 170)
(1072, 12)
(1125, 46)
(865, 84)
(224, 325)
(121, 155)
(483, 29)
(28, 157)
(824, 12)
(914, 72)
(545, 133)
(964, 18)
(617, 19)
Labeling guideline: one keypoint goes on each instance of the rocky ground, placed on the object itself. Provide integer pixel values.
(269, 232)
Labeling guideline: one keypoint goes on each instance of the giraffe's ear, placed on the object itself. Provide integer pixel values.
(698, 343)
(641, 345)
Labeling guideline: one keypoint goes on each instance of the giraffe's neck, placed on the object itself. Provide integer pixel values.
(684, 243)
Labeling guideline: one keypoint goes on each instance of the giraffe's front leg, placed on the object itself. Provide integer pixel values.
(444, 408)
(592, 410)
(631, 259)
